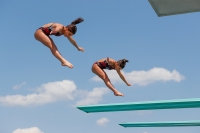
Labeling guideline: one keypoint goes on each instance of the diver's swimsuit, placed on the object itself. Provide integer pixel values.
(104, 65)
(48, 30)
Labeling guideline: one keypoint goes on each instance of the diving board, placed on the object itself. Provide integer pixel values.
(161, 124)
(173, 7)
(146, 105)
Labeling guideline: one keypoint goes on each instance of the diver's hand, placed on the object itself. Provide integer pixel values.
(128, 84)
(80, 49)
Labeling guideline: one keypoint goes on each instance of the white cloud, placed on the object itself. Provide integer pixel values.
(28, 130)
(93, 97)
(143, 78)
(19, 86)
(55, 91)
(102, 121)
(47, 93)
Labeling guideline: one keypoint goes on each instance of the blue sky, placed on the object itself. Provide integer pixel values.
(38, 95)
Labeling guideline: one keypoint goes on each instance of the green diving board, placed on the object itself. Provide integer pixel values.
(146, 105)
(174, 7)
(161, 124)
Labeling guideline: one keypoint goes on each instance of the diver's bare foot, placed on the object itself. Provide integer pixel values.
(118, 94)
(67, 64)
